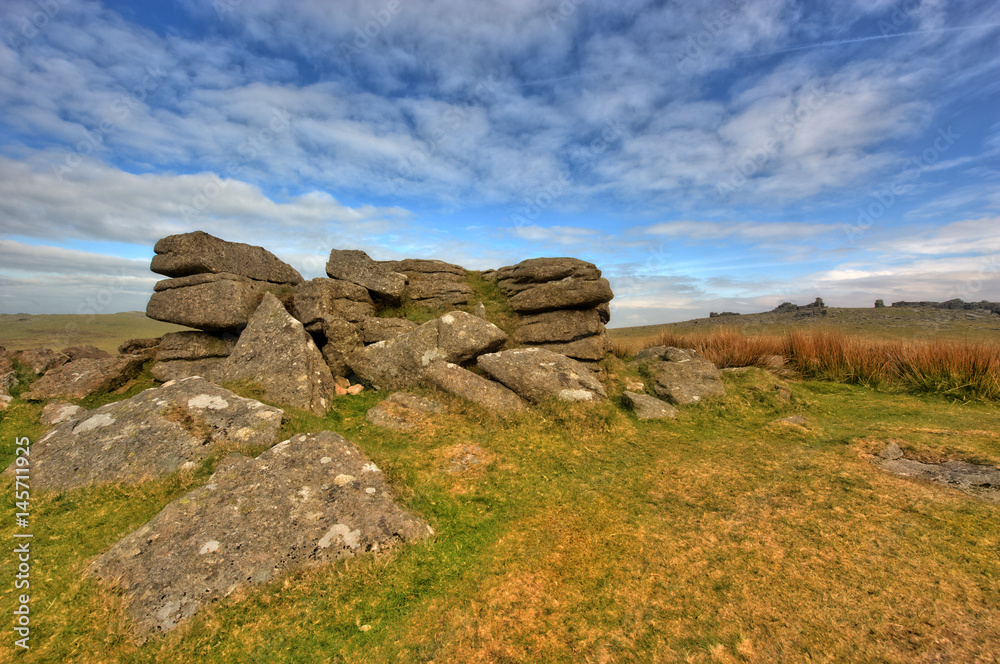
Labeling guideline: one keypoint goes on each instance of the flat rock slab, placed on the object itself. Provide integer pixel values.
(357, 267)
(647, 407)
(536, 374)
(198, 252)
(212, 302)
(981, 482)
(278, 354)
(209, 367)
(516, 278)
(85, 353)
(150, 435)
(559, 326)
(402, 411)
(57, 412)
(76, 380)
(309, 500)
(569, 293)
(461, 382)
(593, 348)
(195, 345)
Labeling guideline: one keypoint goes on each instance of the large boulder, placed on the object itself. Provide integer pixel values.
(309, 500)
(198, 252)
(399, 362)
(185, 354)
(515, 278)
(278, 354)
(212, 302)
(40, 360)
(682, 375)
(569, 293)
(537, 374)
(154, 433)
(558, 326)
(374, 330)
(76, 380)
(357, 267)
(330, 299)
(463, 383)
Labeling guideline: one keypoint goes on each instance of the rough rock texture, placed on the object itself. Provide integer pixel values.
(85, 353)
(306, 501)
(152, 434)
(277, 353)
(357, 267)
(537, 374)
(330, 299)
(399, 362)
(213, 302)
(559, 326)
(647, 407)
(342, 338)
(374, 330)
(421, 266)
(433, 283)
(58, 412)
(472, 387)
(145, 347)
(588, 348)
(982, 482)
(210, 368)
(570, 293)
(198, 252)
(75, 380)
(8, 377)
(40, 360)
(682, 375)
(195, 345)
(402, 411)
(515, 278)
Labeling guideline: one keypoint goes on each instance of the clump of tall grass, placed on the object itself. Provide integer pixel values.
(962, 369)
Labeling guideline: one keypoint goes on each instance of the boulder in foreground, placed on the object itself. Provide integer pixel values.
(81, 378)
(537, 374)
(309, 500)
(682, 375)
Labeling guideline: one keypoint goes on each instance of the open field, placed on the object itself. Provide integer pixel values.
(57, 331)
(585, 535)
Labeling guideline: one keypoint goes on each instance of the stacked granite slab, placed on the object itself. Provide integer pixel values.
(433, 283)
(562, 305)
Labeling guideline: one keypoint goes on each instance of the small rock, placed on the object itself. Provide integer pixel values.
(479, 310)
(649, 408)
(355, 389)
(342, 382)
(891, 452)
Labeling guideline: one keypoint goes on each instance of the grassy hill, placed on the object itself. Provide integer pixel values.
(56, 331)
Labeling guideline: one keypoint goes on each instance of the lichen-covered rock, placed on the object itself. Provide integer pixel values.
(149, 435)
(558, 326)
(402, 411)
(374, 330)
(40, 360)
(435, 292)
(322, 299)
(195, 345)
(278, 354)
(76, 380)
(399, 362)
(210, 368)
(309, 500)
(647, 407)
(592, 348)
(537, 374)
(570, 293)
(516, 278)
(342, 338)
(681, 375)
(463, 383)
(57, 412)
(85, 353)
(357, 267)
(198, 252)
(212, 302)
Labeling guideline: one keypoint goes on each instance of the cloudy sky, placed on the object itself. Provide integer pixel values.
(706, 156)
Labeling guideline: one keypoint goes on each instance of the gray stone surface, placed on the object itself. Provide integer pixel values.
(342, 338)
(330, 299)
(57, 412)
(558, 326)
(515, 278)
(439, 291)
(149, 435)
(402, 411)
(198, 252)
(357, 267)
(145, 347)
(76, 380)
(40, 360)
(591, 348)
(981, 482)
(85, 353)
(569, 293)
(195, 345)
(537, 374)
(207, 302)
(399, 362)
(683, 376)
(647, 407)
(463, 383)
(278, 354)
(374, 330)
(307, 501)
(210, 368)
(8, 377)
(412, 267)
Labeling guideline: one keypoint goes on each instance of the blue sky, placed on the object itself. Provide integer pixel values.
(714, 156)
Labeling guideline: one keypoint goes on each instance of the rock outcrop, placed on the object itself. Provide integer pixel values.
(200, 253)
(212, 302)
(149, 435)
(319, 300)
(184, 354)
(309, 500)
(357, 267)
(537, 374)
(78, 379)
(682, 375)
(433, 283)
(277, 353)
(563, 305)
(472, 387)
(40, 360)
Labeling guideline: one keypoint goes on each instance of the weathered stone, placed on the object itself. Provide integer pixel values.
(515, 278)
(40, 360)
(472, 387)
(665, 353)
(374, 330)
(479, 311)
(399, 362)
(145, 347)
(979, 481)
(210, 368)
(150, 435)
(278, 354)
(198, 252)
(8, 377)
(439, 291)
(684, 377)
(217, 304)
(57, 412)
(195, 345)
(604, 311)
(570, 293)
(309, 500)
(85, 353)
(537, 374)
(647, 407)
(357, 267)
(402, 411)
(420, 266)
(76, 380)
(558, 326)
(342, 339)
(355, 389)
(588, 348)
(324, 299)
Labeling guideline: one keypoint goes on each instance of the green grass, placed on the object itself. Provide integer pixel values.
(58, 331)
(589, 536)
